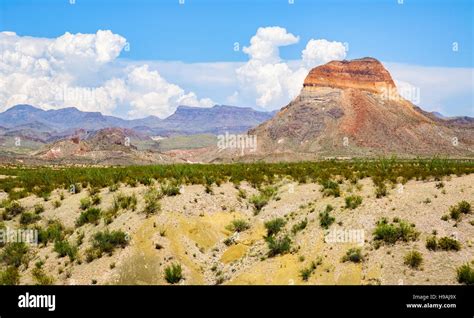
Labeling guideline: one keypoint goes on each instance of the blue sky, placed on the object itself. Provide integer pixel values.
(418, 33)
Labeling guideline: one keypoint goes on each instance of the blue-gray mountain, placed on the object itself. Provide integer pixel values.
(30, 121)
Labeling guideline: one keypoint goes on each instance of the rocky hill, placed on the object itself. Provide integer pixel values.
(352, 108)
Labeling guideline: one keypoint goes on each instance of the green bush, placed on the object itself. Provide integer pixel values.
(353, 255)
(238, 225)
(465, 274)
(432, 243)
(92, 215)
(413, 259)
(457, 210)
(40, 276)
(96, 199)
(85, 203)
(126, 202)
(173, 273)
(306, 273)
(391, 233)
(330, 188)
(10, 276)
(353, 201)
(242, 194)
(300, 226)
(14, 254)
(152, 203)
(53, 232)
(64, 248)
(274, 226)
(278, 246)
(449, 244)
(12, 209)
(107, 242)
(28, 218)
(380, 190)
(325, 219)
(38, 208)
(170, 189)
(269, 191)
(258, 201)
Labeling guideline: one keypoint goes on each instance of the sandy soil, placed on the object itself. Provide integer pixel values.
(191, 229)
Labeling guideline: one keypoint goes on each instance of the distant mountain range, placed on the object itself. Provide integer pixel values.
(31, 122)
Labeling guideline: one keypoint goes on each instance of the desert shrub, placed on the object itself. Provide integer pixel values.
(10, 276)
(439, 185)
(126, 202)
(14, 254)
(85, 203)
(380, 190)
(106, 242)
(269, 191)
(28, 218)
(457, 210)
(53, 232)
(94, 191)
(152, 203)
(12, 209)
(96, 199)
(258, 201)
(300, 226)
(449, 244)
(353, 255)
(173, 273)
(113, 187)
(465, 274)
(274, 226)
(353, 201)
(242, 194)
(17, 195)
(432, 243)
(92, 215)
(64, 248)
(306, 273)
(278, 246)
(238, 225)
(391, 233)
(56, 204)
(229, 241)
(325, 219)
(413, 259)
(38, 208)
(92, 254)
(330, 188)
(170, 189)
(464, 207)
(208, 189)
(40, 276)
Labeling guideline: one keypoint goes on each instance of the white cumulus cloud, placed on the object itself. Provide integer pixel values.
(322, 51)
(273, 82)
(69, 71)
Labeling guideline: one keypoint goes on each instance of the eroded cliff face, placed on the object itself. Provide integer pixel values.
(365, 74)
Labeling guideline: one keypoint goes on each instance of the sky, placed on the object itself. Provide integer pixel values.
(144, 57)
